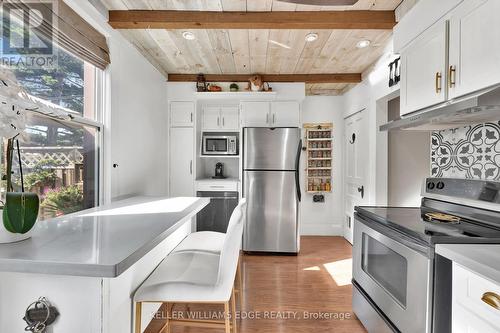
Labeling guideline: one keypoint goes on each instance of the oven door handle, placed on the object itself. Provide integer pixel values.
(396, 236)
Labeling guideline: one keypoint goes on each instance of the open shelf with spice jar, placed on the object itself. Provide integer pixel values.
(318, 144)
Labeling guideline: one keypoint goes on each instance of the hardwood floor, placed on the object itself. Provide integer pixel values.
(289, 293)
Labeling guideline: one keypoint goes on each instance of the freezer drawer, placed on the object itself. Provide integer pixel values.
(272, 212)
(271, 148)
(215, 216)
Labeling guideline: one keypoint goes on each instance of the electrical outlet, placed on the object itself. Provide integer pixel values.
(318, 198)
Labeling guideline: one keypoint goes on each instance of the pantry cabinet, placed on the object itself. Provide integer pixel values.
(217, 118)
(181, 156)
(270, 114)
(423, 70)
(474, 60)
(182, 114)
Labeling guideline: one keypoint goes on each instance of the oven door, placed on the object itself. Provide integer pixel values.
(215, 145)
(395, 273)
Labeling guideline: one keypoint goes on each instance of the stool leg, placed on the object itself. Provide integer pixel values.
(240, 283)
(227, 323)
(233, 304)
(167, 323)
(138, 317)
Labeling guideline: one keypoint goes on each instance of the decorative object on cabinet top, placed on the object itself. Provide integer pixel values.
(318, 147)
(467, 152)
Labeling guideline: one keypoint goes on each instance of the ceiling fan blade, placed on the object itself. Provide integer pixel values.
(323, 2)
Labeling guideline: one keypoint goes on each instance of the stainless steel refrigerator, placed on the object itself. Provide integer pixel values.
(271, 186)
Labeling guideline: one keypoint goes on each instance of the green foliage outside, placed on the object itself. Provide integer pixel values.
(43, 174)
(64, 200)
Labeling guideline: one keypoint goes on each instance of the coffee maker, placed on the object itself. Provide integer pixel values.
(219, 171)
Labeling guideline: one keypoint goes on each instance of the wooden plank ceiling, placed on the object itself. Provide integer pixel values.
(247, 51)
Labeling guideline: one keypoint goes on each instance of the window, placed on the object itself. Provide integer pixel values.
(60, 159)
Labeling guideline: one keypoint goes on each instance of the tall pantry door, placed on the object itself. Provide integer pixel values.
(181, 161)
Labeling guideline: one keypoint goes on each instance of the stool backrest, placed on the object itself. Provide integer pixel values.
(230, 253)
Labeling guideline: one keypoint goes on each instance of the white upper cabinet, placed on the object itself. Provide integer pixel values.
(182, 114)
(474, 47)
(220, 118)
(211, 118)
(271, 114)
(285, 114)
(230, 117)
(423, 71)
(256, 114)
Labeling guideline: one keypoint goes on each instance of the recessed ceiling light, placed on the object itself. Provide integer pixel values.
(188, 35)
(363, 43)
(311, 37)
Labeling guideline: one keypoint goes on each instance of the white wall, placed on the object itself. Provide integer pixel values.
(408, 154)
(324, 218)
(135, 116)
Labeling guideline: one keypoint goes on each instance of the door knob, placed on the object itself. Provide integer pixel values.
(361, 190)
(353, 136)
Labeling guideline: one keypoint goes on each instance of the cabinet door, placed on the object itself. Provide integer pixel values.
(211, 118)
(181, 162)
(423, 70)
(285, 114)
(255, 114)
(181, 114)
(230, 118)
(474, 46)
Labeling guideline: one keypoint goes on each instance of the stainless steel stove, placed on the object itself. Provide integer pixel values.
(400, 284)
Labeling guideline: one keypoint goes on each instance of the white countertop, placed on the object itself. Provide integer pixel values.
(210, 180)
(483, 259)
(99, 242)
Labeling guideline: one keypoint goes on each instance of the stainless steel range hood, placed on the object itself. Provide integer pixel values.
(480, 107)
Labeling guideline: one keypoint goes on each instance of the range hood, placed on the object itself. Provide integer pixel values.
(476, 108)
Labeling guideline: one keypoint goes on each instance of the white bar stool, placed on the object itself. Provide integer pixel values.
(210, 242)
(197, 277)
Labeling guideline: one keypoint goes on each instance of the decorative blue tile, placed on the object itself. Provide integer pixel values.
(467, 152)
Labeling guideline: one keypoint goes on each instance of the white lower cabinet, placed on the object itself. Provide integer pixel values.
(474, 298)
(181, 158)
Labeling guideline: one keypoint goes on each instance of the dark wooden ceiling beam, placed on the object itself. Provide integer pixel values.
(307, 78)
(173, 19)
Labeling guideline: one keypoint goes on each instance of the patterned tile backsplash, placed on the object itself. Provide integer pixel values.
(467, 152)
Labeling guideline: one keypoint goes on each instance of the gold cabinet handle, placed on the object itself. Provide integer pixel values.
(438, 82)
(452, 76)
(492, 299)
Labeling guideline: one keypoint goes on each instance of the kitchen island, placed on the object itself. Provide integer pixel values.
(88, 264)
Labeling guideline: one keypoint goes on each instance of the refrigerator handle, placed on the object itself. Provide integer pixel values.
(297, 167)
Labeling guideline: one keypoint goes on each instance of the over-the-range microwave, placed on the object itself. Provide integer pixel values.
(220, 144)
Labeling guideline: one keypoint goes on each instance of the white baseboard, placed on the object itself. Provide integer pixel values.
(321, 229)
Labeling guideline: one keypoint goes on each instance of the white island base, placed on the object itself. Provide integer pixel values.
(93, 295)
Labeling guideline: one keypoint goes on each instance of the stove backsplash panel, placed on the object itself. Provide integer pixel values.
(467, 152)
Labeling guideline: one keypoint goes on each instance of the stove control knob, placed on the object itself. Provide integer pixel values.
(440, 185)
(431, 185)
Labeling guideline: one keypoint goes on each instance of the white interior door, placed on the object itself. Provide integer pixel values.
(356, 167)
(181, 162)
